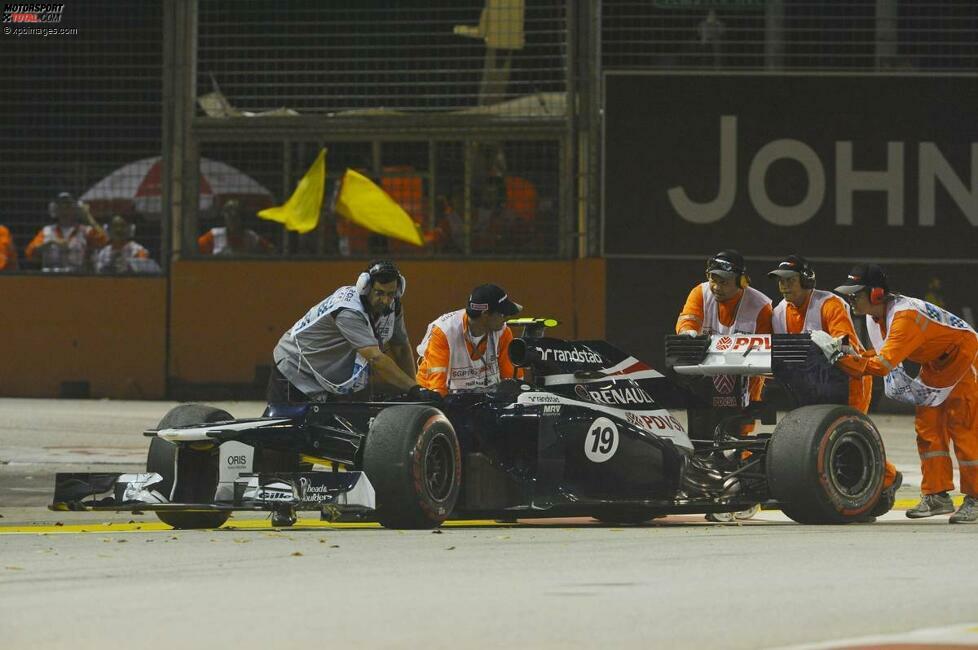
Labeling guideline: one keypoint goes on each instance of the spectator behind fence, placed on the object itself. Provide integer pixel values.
(65, 246)
(122, 255)
(8, 252)
(233, 238)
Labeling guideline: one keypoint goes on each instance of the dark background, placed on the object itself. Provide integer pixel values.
(663, 131)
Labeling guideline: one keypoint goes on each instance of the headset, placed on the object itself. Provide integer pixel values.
(807, 278)
(380, 267)
(877, 295)
(718, 263)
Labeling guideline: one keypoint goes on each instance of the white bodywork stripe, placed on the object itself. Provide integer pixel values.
(192, 434)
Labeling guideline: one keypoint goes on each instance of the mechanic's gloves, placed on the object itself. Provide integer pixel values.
(418, 393)
(830, 347)
(689, 333)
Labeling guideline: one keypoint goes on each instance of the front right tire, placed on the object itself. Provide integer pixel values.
(414, 462)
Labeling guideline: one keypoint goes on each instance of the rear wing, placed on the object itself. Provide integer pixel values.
(793, 359)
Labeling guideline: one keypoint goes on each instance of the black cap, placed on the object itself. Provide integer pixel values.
(864, 276)
(791, 265)
(727, 263)
(492, 298)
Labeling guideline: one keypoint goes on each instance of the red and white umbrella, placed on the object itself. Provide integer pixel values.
(138, 187)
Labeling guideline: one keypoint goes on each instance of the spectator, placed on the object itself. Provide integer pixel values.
(8, 252)
(495, 226)
(233, 238)
(123, 255)
(65, 245)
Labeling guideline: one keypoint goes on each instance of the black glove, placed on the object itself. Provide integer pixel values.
(418, 393)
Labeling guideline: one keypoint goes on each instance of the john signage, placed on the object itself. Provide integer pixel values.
(833, 167)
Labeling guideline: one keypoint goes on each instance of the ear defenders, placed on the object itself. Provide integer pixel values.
(877, 295)
(366, 279)
(807, 279)
(721, 264)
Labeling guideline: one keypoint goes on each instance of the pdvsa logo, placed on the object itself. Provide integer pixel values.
(742, 343)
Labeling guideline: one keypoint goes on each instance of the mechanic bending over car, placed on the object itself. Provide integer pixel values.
(468, 349)
(727, 304)
(356, 331)
(807, 309)
(945, 392)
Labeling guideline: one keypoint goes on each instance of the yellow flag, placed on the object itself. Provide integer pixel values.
(301, 212)
(367, 205)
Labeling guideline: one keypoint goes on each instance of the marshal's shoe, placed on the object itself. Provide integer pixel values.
(932, 504)
(967, 513)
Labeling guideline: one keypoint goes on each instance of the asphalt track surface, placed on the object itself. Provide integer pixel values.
(87, 580)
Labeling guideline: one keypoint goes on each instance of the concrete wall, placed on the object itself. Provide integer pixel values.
(108, 332)
(226, 316)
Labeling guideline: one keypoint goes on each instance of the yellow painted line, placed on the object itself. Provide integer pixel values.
(906, 504)
(239, 524)
(266, 524)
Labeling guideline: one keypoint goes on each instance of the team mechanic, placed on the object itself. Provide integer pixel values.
(945, 392)
(468, 349)
(727, 304)
(807, 309)
(332, 350)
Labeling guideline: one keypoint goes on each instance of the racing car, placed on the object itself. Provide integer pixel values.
(588, 431)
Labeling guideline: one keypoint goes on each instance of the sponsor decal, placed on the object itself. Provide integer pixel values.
(725, 402)
(237, 461)
(581, 391)
(551, 409)
(615, 396)
(574, 355)
(275, 492)
(315, 493)
(654, 422)
(724, 384)
(540, 399)
(742, 343)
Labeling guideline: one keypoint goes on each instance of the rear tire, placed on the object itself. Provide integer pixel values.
(414, 462)
(825, 464)
(197, 479)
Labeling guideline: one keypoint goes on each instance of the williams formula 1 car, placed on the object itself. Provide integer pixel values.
(590, 431)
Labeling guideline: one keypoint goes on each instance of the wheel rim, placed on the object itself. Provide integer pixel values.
(439, 467)
(850, 461)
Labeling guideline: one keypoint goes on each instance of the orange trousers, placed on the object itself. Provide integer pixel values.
(956, 420)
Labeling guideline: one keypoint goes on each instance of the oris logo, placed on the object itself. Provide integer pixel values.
(724, 343)
(237, 461)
